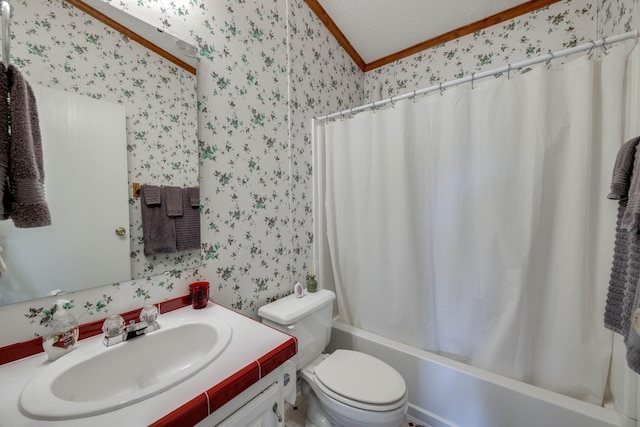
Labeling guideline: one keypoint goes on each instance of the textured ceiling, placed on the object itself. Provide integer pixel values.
(378, 28)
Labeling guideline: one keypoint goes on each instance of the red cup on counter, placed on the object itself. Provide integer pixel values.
(199, 293)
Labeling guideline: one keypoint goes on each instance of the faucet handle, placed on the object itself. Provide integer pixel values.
(113, 326)
(149, 314)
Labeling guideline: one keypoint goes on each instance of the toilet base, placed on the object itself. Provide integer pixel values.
(316, 416)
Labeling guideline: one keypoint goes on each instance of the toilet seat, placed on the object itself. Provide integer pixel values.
(360, 380)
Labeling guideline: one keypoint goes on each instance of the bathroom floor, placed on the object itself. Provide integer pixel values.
(295, 416)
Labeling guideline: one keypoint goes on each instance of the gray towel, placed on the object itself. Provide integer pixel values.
(158, 229)
(151, 195)
(173, 201)
(194, 196)
(188, 225)
(614, 308)
(631, 301)
(622, 295)
(24, 202)
(623, 169)
(617, 308)
(631, 217)
(5, 201)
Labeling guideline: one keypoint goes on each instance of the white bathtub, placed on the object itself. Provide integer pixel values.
(444, 392)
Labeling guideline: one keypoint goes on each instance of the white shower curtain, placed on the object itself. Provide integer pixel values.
(475, 223)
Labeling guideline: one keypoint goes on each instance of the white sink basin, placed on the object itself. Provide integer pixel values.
(94, 379)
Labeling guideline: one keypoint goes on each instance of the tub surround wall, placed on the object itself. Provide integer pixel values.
(438, 387)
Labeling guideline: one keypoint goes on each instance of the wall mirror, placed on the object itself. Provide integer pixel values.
(56, 45)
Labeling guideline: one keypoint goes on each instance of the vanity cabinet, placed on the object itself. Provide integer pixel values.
(264, 410)
(240, 387)
(260, 405)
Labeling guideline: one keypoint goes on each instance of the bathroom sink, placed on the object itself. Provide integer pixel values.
(94, 379)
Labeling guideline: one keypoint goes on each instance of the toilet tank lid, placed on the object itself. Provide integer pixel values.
(288, 310)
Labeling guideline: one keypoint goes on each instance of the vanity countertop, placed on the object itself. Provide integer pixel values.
(253, 352)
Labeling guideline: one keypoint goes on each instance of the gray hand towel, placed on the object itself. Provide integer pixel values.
(622, 170)
(173, 201)
(158, 229)
(26, 204)
(194, 196)
(188, 225)
(631, 217)
(151, 195)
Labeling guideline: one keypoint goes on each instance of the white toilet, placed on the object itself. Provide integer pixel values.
(346, 388)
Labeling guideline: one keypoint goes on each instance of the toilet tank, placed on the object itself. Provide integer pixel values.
(308, 319)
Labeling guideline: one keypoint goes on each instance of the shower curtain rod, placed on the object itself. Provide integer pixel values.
(477, 76)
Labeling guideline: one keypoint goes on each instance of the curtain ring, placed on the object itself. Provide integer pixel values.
(604, 46)
(508, 71)
(473, 77)
(635, 44)
(593, 46)
(392, 102)
(549, 60)
(413, 96)
(441, 90)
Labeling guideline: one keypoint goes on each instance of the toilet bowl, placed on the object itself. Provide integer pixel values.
(348, 393)
(346, 388)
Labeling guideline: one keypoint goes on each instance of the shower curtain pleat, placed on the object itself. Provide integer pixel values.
(476, 223)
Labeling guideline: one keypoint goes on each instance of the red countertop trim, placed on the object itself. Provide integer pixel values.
(20, 350)
(277, 357)
(174, 304)
(189, 414)
(231, 387)
(222, 393)
(17, 351)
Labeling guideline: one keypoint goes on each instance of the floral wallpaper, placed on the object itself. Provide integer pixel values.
(265, 68)
(552, 28)
(617, 16)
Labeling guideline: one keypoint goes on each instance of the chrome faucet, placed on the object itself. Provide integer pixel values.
(115, 331)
